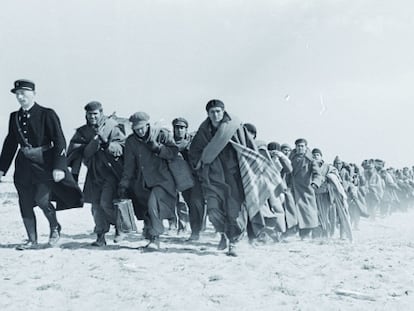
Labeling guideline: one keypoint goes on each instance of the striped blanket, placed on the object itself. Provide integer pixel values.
(259, 176)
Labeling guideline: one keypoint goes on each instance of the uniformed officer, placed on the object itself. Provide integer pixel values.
(40, 165)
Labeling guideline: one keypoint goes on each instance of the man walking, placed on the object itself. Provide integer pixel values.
(231, 171)
(306, 178)
(99, 144)
(146, 175)
(193, 196)
(40, 165)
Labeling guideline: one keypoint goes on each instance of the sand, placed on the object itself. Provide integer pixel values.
(375, 272)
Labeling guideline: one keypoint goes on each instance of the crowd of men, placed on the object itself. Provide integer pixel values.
(244, 186)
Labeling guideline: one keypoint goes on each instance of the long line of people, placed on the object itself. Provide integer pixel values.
(307, 195)
(241, 184)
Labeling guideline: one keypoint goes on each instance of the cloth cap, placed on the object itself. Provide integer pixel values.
(93, 105)
(180, 122)
(337, 159)
(139, 118)
(214, 103)
(23, 84)
(301, 141)
(285, 146)
(317, 150)
(273, 146)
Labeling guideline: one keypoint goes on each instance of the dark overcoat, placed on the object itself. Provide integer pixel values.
(44, 129)
(102, 164)
(143, 169)
(305, 172)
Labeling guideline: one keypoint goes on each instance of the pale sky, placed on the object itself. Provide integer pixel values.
(338, 73)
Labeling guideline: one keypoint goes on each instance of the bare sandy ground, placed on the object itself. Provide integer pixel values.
(376, 272)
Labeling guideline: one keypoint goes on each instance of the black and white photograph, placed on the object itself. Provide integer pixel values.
(206, 155)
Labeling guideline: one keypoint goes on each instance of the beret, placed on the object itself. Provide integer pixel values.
(214, 103)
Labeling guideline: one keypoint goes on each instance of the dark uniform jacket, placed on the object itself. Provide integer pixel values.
(43, 129)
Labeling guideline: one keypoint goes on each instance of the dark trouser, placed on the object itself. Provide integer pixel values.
(224, 217)
(224, 206)
(104, 213)
(305, 233)
(160, 206)
(195, 202)
(35, 195)
(255, 226)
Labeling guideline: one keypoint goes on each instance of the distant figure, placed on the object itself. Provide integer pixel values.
(374, 187)
(41, 167)
(306, 178)
(99, 145)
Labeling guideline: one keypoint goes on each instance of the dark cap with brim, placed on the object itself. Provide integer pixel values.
(180, 122)
(23, 84)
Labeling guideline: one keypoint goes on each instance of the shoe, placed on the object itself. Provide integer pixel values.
(100, 240)
(27, 245)
(194, 237)
(119, 236)
(154, 240)
(232, 250)
(223, 243)
(54, 236)
(263, 238)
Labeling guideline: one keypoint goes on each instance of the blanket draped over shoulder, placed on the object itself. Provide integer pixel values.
(259, 176)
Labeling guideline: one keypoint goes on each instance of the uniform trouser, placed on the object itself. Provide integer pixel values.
(195, 202)
(36, 195)
(160, 206)
(104, 213)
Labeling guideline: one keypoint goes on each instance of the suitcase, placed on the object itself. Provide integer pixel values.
(125, 217)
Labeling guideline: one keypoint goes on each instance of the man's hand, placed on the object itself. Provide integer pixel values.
(122, 193)
(154, 146)
(276, 153)
(115, 149)
(58, 175)
(1, 175)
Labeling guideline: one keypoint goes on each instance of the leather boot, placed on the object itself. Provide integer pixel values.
(100, 240)
(55, 227)
(30, 225)
(54, 236)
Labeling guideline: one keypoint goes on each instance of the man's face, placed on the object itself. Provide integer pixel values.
(338, 165)
(94, 116)
(301, 148)
(317, 156)
(286, 151)
(141, 129)
(215, 115)
(179, 131)
(25, 98)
